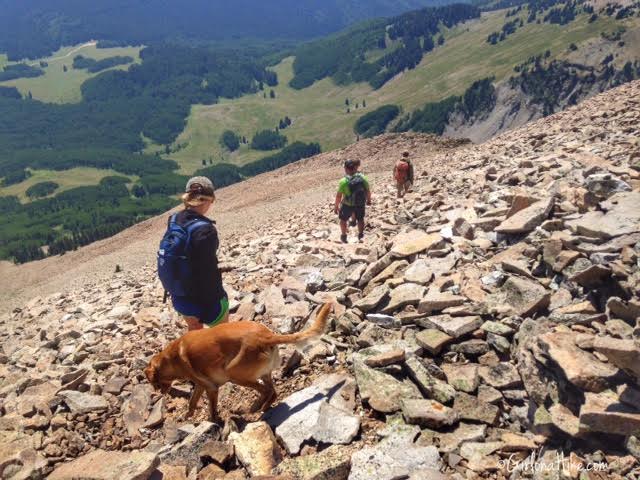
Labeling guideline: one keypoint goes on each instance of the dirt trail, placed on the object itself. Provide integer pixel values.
(240, 207)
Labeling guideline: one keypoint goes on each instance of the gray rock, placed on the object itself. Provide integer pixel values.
(622, 217)
(419, 272)
(322, 412)
(520, 296)
(428, 413)
(464, 432)
(469, 407)
(471, 348)
(405, 294)
(381, 391)
(436, 302)
(603, 185)
(393, 458)
(135, 408)
(527, 219)
(455, 327)
(463, 377)
(373, 299)
(431, 386)
(187, 452)
(332, 463)
(79, 402)
(501, 376)
(384, 321)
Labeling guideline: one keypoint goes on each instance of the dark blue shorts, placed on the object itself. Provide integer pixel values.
(210, 314)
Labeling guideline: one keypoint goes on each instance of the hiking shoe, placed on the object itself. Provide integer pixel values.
(343, 238)
(360, 236)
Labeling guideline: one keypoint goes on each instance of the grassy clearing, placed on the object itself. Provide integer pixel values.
(319, 113)
(58, 86)
(67, 179)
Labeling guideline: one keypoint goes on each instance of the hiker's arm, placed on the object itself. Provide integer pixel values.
(368, 196)
(336, 206)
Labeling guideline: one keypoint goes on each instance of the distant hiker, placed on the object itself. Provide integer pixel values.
(403, 174)
(187, 261)
(353, 194)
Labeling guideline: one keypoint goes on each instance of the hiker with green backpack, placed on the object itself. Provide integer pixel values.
(353, 194)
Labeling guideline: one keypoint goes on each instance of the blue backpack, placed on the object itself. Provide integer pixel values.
(174, 264)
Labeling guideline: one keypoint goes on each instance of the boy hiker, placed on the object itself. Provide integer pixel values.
(353, 194)
(403, 174)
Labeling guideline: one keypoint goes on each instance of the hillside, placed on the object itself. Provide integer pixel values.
(488, 317)
(59, 86)
(132, 124)
(318, 112)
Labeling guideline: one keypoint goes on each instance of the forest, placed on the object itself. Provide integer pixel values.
(105, 130)
(226, 174)
(375, 122)
(36, 28)
(478, 99)
(95, 66)
(19, 70)
(152, 99)
(342, 56)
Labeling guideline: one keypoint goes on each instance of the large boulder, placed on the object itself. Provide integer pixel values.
(395, 457)
(622, 217)
(80, 402)
(380, 390)
(256, 448)
(528, 218)
(581, 368)
(603, 412)
(323, 412)
(520, 296)
(403, 295)
(413, 242)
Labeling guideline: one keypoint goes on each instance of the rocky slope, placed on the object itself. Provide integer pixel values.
(486, 328)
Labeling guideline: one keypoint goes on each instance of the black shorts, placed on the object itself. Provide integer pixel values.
(347, 210)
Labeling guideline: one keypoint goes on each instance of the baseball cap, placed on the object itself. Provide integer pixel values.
(201, 185)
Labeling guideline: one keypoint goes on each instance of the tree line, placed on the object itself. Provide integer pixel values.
(94, 66)
(342, 56)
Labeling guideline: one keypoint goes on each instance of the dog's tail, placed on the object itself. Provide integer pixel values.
(300, 338)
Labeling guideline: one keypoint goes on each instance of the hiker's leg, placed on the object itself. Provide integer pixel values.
(399, 189)
(360, 212)
(343, 227)
(192, 323)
